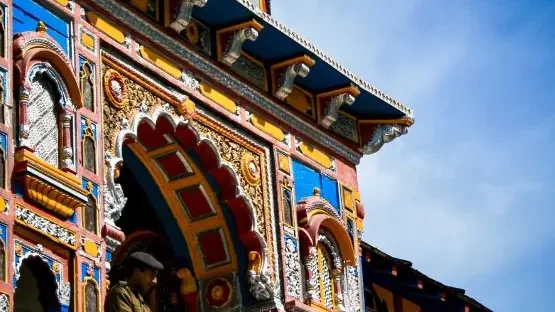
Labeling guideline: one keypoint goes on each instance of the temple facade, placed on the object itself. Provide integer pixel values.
(202, 131)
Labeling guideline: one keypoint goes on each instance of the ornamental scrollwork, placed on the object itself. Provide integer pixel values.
(64, 294)
(292, 269)
(44, 225)
(4, 303)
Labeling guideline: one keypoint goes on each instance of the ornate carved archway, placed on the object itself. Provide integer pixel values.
(199, 189)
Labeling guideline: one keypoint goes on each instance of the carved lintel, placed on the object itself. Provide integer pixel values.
(288, 78)
(383, 133)
(234, 48)
(333, 108)
(184, 12)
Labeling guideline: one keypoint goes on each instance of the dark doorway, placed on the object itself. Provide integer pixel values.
(36, 287)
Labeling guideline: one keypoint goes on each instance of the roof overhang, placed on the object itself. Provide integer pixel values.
(277, 43)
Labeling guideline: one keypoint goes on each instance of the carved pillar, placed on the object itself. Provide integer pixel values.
(23, 119)
(67, 151)
(336, 276)
(310, 268)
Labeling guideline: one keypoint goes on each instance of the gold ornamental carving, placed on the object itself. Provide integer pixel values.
(115, 88)
(232, 148)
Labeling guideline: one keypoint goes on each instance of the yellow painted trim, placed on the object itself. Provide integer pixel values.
(91, 248)
(143, 6)
(160, 62)
(316, 155)
(348, 199)
(305, 59)
(218, 98)
(49, 169)
(2, 204)
(87, 40)
(107, 28)
(316, 211)
(356, 195)
(62, 2)
(352, 90)
(405, 121)
(312, 103)
(188, 229)
(252, 23)
(284, 163)
(267, 127)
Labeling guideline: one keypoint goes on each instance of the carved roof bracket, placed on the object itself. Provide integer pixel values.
(184, 13)
(383, 134)
(284, 74)
(232, 39)
(376, 133)
(333, 102)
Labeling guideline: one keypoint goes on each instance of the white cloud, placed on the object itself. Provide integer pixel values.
(462, 196)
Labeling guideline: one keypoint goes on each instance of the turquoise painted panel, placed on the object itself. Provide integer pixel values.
(27, 13)
(84, 127)
(85, 267)
(4, 233)
(330, 191)
(306, 179)
(4, 142)
(84, 183)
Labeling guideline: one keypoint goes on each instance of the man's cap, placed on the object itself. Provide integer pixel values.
(147, 259)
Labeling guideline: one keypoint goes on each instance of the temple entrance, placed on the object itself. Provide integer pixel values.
(186, 207)
(145, 232)
(36, 287)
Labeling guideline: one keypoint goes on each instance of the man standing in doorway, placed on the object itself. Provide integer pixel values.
(140, 270)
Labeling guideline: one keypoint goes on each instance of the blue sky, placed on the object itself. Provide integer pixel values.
(467, 194)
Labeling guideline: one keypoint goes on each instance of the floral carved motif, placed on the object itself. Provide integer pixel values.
(138, 98)
(44, 226)
(4, 303)
(233, 152)
(233, 148)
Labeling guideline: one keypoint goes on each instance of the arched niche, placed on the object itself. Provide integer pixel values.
(47, 94)
(327, 254)
(36, 287)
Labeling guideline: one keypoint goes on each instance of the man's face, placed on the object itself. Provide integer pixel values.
(145, 279)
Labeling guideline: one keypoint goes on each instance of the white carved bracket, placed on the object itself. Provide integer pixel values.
(333, 108)
(286, 83)
(234, 48)
(184, 12)
(383, 134)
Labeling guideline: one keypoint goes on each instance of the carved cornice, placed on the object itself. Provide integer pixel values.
(230, 40)
(184, 12)
(48, 186)
(284, 74)
(332, 102)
